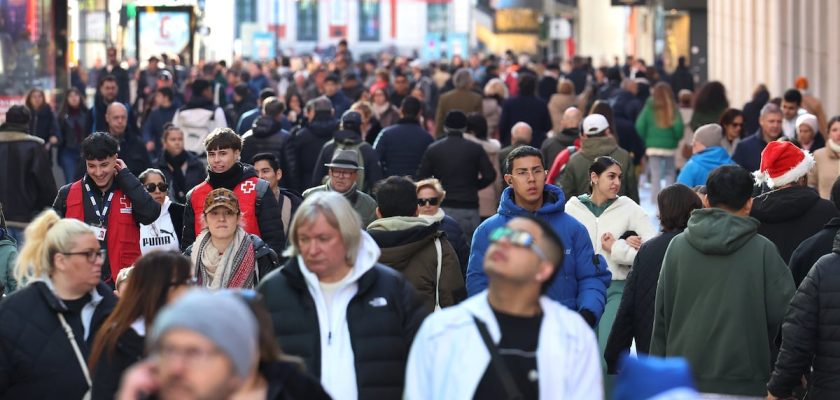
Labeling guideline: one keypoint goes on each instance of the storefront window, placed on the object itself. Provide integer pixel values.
(437, 17)
(27, 48)
(307, 20)
(369, 20)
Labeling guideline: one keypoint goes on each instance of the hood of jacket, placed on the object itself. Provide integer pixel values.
(366, 258)
(554, 202)
(10, 127)
(784, 204)
(398, 231)
(347, 137)
(266, 126)
(715, 231)
(712, 157)
(323, 128)
(593, 147)
(199, 102)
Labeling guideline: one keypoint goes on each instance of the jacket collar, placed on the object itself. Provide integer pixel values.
(299, 276)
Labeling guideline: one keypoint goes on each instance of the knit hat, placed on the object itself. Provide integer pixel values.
(594, 124)
(221, 197)
(782, 163)
(708, 135)
(653, 377)
(220, 317)
(809, 119)
(455, 120)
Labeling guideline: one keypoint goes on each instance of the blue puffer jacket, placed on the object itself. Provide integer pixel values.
(699, 166)
(580, 284)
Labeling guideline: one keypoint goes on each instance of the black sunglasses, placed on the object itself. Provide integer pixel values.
(433, 201)
(150, 187)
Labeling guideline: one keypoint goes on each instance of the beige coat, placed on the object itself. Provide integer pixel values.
(456, 99)
(825, 171)
(558, 104)
(488, 198)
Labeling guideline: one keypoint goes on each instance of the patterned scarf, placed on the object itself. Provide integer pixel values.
(234, 268)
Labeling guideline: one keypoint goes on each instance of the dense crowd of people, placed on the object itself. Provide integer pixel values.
(391, 228)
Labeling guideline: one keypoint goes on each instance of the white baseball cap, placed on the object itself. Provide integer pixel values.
(595, 124)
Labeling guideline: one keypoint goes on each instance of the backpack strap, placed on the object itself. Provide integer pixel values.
(286, 212)
(439, 249)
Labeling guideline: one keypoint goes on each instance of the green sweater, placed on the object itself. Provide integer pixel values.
(722, 293)
(655, 136)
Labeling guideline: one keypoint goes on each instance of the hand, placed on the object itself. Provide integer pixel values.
(119, 165)
(139, 381)
(53, 140)
(607, 241)
(150, 146)
(634, 242)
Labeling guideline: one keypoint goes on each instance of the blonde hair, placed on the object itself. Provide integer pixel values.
(122, 276)
(47, 235)
(496, 87)
(431, 183)
(363, 108)
(338, 212)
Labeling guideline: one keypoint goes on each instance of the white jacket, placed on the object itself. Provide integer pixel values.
(621, 216)
(338, 368)
(449, 358)
(159, 235)
(197, 123)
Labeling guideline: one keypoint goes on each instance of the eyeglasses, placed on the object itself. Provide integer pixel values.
(162, 186)
(517, 238)
(431, 201)
(342, 173)
(91, 255)
(524, 173)
(192, 356)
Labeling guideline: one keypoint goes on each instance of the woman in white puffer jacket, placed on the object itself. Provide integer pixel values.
(617, 227)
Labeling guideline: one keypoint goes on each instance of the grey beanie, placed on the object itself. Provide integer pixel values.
(221, 317)
(708, 135)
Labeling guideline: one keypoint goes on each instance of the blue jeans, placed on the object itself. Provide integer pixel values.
(68, 160)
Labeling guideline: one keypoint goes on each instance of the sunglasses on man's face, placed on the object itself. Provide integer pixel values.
(432, 201)
(517, 238)
(163, 187)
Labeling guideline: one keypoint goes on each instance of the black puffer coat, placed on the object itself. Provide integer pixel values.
(265, 137)
(302, 149)
(789, 216)
(812, 249)
(110, 367)
(810, 337)
(36, 358)
(381, 337)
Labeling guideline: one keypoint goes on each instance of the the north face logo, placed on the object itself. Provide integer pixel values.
(247, 187)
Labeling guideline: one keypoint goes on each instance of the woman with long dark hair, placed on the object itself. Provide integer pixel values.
(42, 122)
(157, 279)
(709, 103)
(74, 125)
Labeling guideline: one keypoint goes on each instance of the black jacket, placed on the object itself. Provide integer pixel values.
(176, 215)
(133, 152)
(349, 139)
(79, 119)
(381, 337)
(268, 216)
(287, 381)
(302, 150)
(195, 173)
(234, 111)
(109, 368)
(144, 208)
(634, 318)
(552, 146)
(401, 147)
(529, 109)
(37, 360)
(43, 123)
(789, 216)
(455, 236)
(26, 181)
(462, 167)
(810, 250)
(682, 79)
(265, 137)
(810, 337)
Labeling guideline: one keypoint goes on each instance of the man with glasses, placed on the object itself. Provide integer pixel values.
(342, 177)
(584, 277)
(111, 200)
(509, 341)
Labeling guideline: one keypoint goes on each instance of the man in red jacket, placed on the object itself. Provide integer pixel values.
(111, 200)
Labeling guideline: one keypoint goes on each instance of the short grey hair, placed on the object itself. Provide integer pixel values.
(770, 108)
(338, 212)
(462, 79)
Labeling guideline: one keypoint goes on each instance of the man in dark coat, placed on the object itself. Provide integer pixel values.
(132, 149)
(119, 73)
(349, 137)
(748, 153)
(401, 146)
(811, 249)
(266, 135)
(563, 139)
(305, 143)
(528, 108)
(682, 78)
(791, 212)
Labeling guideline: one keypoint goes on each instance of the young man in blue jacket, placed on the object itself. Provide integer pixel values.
(583, 278)
(708, 155)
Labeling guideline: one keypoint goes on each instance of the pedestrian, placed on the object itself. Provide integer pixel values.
(111, 200)
(401, 146)
(732, 122)
(634, 318)
(810, 103)
(682, 79)
(165, 232)
(617, 227)
(349, 137)
(74, 126)
(162, 114)
(182, 169)
(269, 169)
(721, 273)
(415, 246)
(791, 109)
(684, 100)
(707, 155)
(752, 109)
(560, 102)
(809, 335)
(709, 103)
(349, 318)
(520, 135)
(430, 195)
(827, 161)
(27, 186)
(8, 255)
(156, 280)
(821, 243)
(496, 340)
(267, 134)
(597, 139)
(748, 153)
(247, 118)
(807, 136)
(525, 107)
(199, 117)
(121, 281)
(260, 214)
(49, 323)
(565, 137)
(461, 98)
(340, 102)
(584, 276)
(107, 92)
(121, 79)
(304, 144)
(488, 198)
(495, 93)
(131, 148)
(462, 167)
(42, 122)
(343, 172)
(240, 104)
(791, 211)
(661, 127)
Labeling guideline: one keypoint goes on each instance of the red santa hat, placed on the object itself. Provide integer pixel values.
(782, 163)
